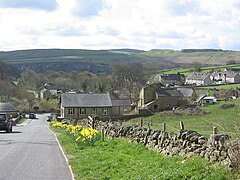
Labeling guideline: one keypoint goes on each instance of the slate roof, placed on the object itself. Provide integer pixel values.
(49, 86)
(85, 100)
(229, 74)
(7, 107)
(186, 92)
(168, 92)
(198, 76)
(121, 102)
(172, 76)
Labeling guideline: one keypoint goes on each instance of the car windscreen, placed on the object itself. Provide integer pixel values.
(2, 117)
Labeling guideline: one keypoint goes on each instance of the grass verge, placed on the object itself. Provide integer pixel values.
(120, 159)
(21, 120)
(225, 120)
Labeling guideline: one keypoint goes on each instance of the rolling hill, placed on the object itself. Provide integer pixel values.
(98, 61)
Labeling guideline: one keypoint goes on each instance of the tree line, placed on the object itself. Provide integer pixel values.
(124, 78)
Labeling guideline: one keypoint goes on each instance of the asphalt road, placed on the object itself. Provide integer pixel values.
(31, 152)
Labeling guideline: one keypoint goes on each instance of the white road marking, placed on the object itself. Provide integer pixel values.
(59, 145)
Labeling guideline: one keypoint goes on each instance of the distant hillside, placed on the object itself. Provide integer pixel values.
(98, 61)
(204, 56)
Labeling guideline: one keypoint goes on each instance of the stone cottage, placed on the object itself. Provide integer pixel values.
(79, 106)
(170, 79)
(48, 91)
(199, 78)
(155, 98)
(225, 77)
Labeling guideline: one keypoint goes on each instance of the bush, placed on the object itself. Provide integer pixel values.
(83, 136)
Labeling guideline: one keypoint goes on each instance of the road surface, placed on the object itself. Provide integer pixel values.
(31, 152)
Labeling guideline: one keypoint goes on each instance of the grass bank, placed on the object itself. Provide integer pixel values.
(120, 159)
(225, 120)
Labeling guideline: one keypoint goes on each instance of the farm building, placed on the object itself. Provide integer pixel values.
(155, 98)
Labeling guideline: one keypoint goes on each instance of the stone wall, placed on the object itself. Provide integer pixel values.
(184, 143)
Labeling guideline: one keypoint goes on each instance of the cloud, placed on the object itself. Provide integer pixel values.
(48, 5)
(180, 7)
(102, 24)
(89, 8)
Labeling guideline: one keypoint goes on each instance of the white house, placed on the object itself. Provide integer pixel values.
(226, 76)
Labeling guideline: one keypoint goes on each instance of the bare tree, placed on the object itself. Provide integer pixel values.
(196, 66)
(128, 76)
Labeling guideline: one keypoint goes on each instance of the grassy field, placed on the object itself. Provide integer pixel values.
(116, 55)
(212, 57)
(225, 120)
(225, 86)
(120, 159)
(187, 71)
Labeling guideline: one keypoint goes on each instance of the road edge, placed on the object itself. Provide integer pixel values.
(64, 155)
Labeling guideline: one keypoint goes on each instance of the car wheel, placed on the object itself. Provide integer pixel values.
(8, 129)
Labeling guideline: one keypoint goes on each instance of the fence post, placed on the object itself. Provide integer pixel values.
(181, 125)
(150, 121)
(214, 130)
(93, 124)
(120, 122)
(164, 127)
(141, 122)
(148, 124)
(103, 134)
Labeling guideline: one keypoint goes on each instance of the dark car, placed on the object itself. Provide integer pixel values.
(32, 116)
(49, 118)
(5, 122)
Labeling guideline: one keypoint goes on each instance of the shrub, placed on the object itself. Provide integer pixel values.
(83, 136)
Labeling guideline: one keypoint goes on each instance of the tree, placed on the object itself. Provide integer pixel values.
(4, 71)
(30, 78)
(230, 62)
(197, 66)
(194, 96)
(128, 76)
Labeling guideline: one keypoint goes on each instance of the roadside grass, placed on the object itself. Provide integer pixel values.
(120, 159)
(22, 120)
(225, 120)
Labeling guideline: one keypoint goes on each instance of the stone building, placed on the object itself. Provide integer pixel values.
(170, 79)
(225, 77)
(155, 98)
(79, 105)
(199, 78)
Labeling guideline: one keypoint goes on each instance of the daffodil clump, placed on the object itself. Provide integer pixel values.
(83, 136)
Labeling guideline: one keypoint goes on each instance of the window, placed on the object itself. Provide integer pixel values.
(105, 111)
(94, 111)
(83, 111)
(71, 111)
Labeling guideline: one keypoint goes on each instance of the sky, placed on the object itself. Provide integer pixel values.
(115, 24)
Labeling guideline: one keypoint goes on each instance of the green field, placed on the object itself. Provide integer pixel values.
(117, 55)
(120, 159)
(212, 57)
(225, 120)
(187, 71)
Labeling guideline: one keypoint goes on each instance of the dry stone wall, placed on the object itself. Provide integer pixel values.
(184, 143)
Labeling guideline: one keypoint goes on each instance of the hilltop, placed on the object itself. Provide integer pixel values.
(99, 61)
